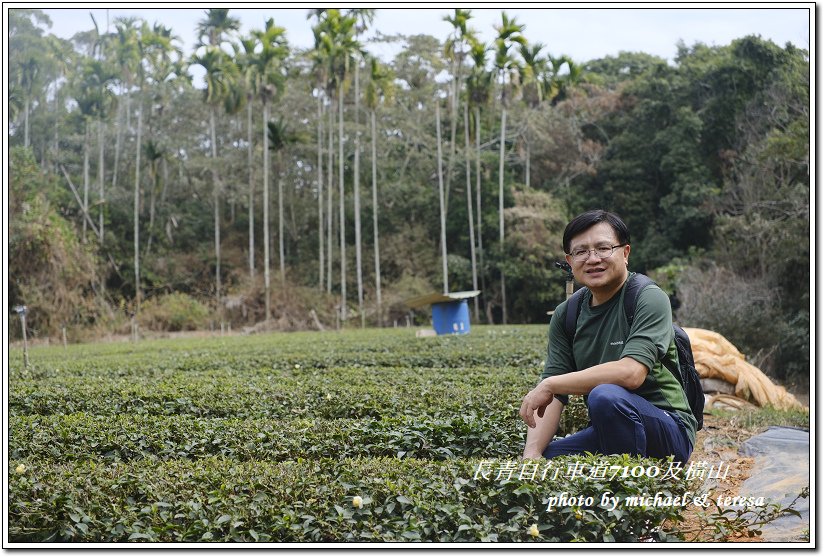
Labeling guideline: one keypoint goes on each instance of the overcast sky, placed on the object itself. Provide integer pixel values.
(584, 33)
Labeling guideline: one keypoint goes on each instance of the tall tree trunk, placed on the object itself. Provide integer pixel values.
(358, 262)
(291, 223)
(101, 174)
(441, 196)
(375, 221)
(86, 148)
(320, 192)
(501, 210)
(528, 159)
(119, 130)
(470, 218)
(26, 126)
(478, 198)
(342, 226)
(129, 108)
(56, 129)
(153, 179)
(251, 190)
(453, 130)
(266, 277)
(231, 193)
(137, 212)
(281, 244)
(165, 181)
(216, 197)
(329, 208)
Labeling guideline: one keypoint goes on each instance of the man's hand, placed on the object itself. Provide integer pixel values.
(537, 399)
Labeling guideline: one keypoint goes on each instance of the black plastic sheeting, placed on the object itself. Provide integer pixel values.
(781, 470)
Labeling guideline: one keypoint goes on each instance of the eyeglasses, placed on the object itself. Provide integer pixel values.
(602, 252)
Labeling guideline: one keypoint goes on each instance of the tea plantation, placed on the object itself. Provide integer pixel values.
(357, 436)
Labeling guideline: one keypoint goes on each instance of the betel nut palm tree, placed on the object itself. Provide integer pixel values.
(335, 38)
(269, 81)
(363, 18)
(479, 91)
(506, 64)
(220, 74)
(379, 87)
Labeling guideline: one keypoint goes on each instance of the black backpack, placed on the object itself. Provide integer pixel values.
(686, 374)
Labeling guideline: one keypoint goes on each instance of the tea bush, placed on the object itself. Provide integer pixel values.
(221, 499)
(272, 437)
(130, 437)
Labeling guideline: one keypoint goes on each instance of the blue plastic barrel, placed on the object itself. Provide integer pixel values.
(451, 318)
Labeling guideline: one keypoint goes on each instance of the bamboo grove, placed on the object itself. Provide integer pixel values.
(308, 188)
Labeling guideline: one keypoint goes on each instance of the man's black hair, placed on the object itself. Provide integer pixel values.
(584, 221)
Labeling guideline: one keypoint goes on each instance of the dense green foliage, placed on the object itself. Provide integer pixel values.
(219, 499)
(174, 312)
(272, 437)
(53, 273)
(706, 158)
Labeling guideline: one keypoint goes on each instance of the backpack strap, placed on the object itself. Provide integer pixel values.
(635, 284)
(573, 310)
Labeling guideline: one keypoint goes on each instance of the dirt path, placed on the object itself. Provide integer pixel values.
(717, 443)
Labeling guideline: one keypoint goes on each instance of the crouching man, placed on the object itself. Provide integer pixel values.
(636, 406)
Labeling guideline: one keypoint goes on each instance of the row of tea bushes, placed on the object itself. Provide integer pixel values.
(358, 436)
(129, 437)
(324, 500)
(493, 348)
(340, 395)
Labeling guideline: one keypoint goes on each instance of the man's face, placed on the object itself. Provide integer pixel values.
(596, 273)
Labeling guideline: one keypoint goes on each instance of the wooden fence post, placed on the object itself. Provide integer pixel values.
(21, 311)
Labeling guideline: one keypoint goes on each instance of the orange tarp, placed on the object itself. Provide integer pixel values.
(716, 357)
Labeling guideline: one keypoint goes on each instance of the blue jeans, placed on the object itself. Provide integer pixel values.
(622, 422)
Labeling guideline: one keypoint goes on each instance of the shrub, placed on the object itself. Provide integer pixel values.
(54, 273)
(173, 312)
(218, 499)
(270, 437)
(737, 307)
(131, 437)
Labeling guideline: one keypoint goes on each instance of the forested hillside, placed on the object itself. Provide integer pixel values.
(292, 180)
